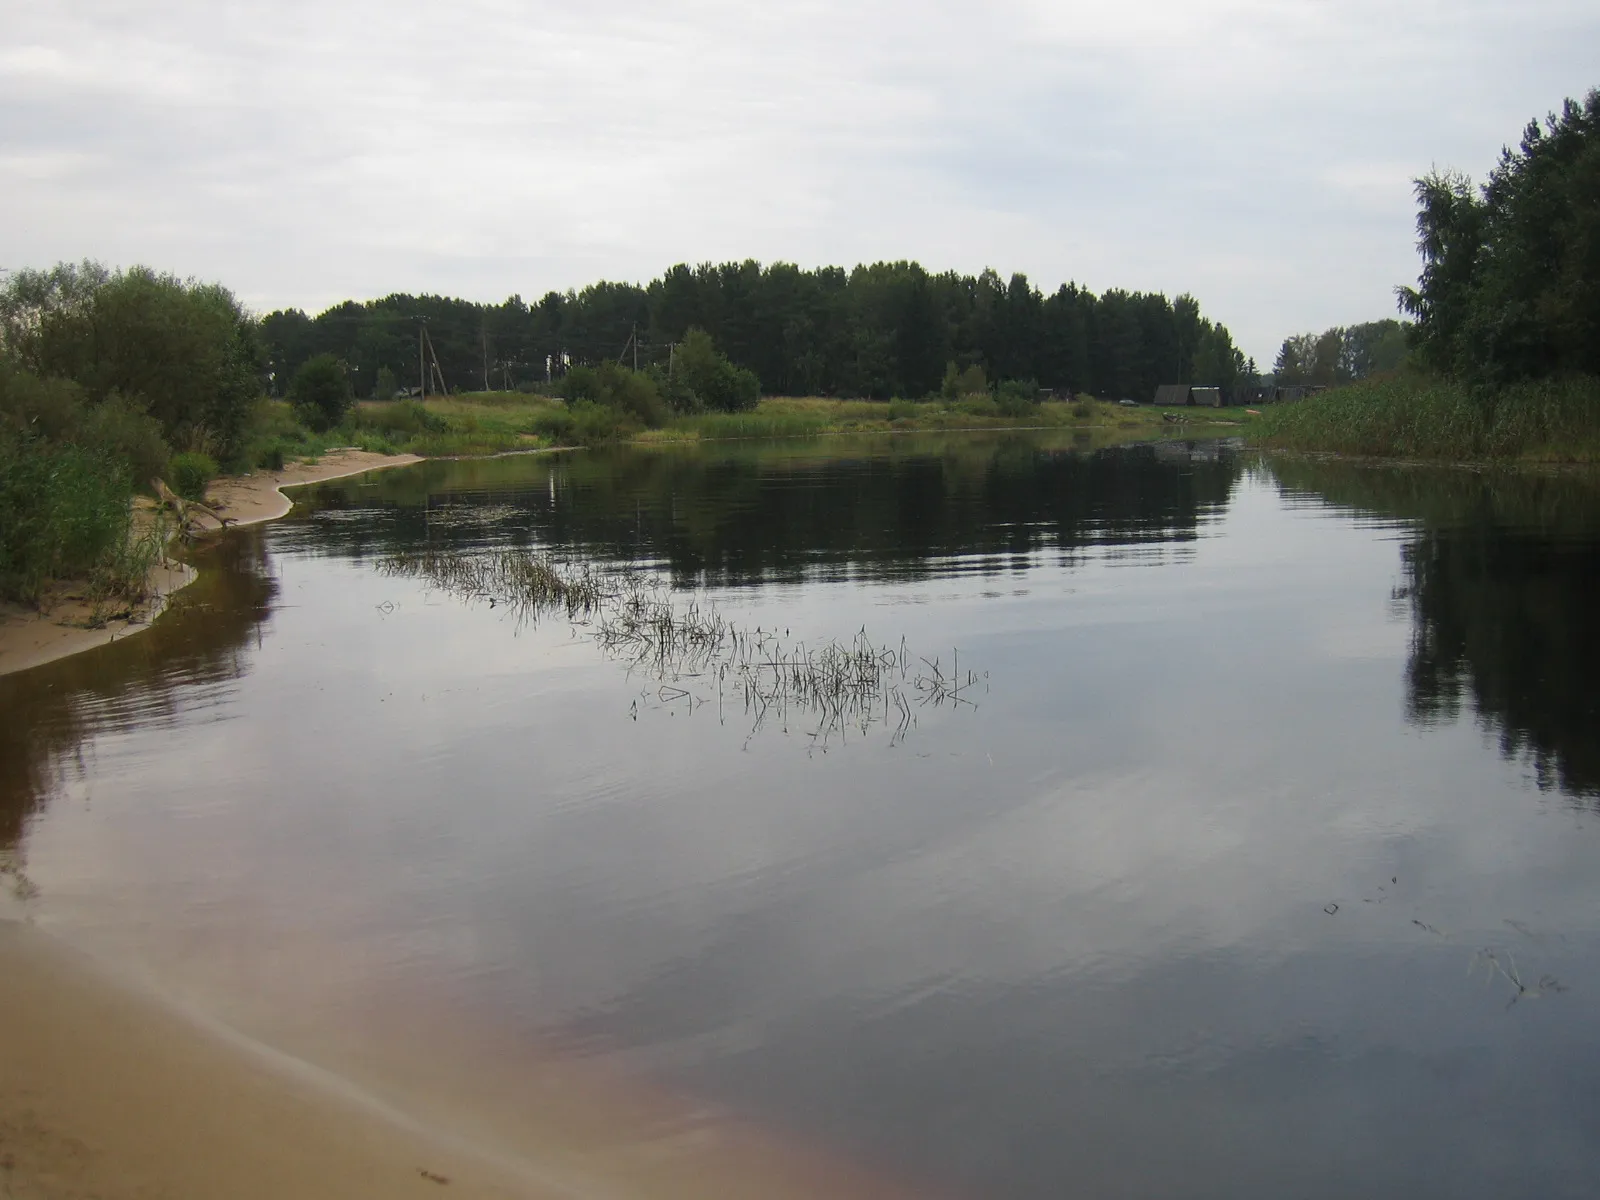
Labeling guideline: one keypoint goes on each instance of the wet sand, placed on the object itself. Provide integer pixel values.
(29, 638)
(106, 1092)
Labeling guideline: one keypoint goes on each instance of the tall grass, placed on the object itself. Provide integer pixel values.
(63, 510)
(1432, 417)
(755, 424)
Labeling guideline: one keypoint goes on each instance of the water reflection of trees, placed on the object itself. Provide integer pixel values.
(48, 714)
(735, 514)
(1503, 580)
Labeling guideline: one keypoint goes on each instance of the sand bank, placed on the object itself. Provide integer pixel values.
(107, 1093)
(29, 638)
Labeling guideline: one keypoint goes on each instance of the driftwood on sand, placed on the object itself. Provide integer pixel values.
(185, 509)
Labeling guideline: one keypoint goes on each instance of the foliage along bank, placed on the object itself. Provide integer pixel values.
(1506, 340)
(102, 375)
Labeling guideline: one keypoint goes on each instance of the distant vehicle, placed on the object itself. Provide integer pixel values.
(1128, 403)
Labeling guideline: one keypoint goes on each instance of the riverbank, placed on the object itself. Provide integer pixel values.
(1423, 417)
(70, 624)
(106, 1092)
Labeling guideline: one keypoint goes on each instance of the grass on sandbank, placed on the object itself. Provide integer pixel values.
(1422, 416)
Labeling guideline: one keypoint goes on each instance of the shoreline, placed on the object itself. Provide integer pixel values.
(107, 1091)
(31, 639)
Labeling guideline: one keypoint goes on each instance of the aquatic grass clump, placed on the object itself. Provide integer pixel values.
(695, 654)
(529, 582)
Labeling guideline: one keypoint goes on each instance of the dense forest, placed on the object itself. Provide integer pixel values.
(890, 329)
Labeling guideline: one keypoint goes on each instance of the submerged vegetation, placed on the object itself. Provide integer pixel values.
(695, 655)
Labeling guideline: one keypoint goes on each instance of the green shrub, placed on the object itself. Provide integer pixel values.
(186, 351)
(901, 410)
(593, 423)
(320, 393)
(1017, 398)
(189, 472)
(62, 509)
(407, 417)
(958, 383)
(123, 429)
(43, 408)
(270, 457)
(715, 382)
(979, 406)
(554, 425)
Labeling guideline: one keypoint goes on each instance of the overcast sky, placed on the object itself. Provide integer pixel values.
(1257, 153)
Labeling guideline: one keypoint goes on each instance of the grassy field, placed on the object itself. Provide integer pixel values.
(1417, 416)
(494, 422)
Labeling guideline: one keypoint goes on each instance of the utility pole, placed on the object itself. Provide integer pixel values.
(422, 369)
(484, 331)
(635, 340)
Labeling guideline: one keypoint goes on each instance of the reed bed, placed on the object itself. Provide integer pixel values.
(694, 655)
(1419, 416)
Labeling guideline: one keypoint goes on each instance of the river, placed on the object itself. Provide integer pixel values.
(1211, 825)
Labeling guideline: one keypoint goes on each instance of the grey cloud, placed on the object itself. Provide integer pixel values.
(1255, 154)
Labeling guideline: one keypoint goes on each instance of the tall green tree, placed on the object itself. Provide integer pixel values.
(1510, 284)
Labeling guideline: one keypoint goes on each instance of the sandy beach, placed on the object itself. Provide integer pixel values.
(109, 1093)
(29, 638)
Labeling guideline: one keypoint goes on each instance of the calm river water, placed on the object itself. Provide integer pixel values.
(1259, 856)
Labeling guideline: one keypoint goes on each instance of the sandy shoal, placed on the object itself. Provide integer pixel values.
(30, 639)
(105, 1092)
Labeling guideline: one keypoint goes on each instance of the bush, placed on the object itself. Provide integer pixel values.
(320, 393)
(958, 383)
(123, 429)
(186, 351)
(713, 380)
(901, 410)
(1017, 398)
(62, 509)
(593, 423)
(189, 472)
(405, 417)
(554, 424)
(633, 394)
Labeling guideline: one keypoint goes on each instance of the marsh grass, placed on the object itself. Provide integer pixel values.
(1412, 415)
(696, 656)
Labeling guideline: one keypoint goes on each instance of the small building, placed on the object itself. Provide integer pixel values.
(1175, 394)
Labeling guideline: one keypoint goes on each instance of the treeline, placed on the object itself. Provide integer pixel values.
(1510, 285)
(1342, 354)
(890, 329)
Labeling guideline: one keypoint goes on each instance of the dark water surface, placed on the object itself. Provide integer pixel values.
(1266, 862)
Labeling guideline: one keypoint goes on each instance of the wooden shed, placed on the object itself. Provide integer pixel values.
(1172, 394)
